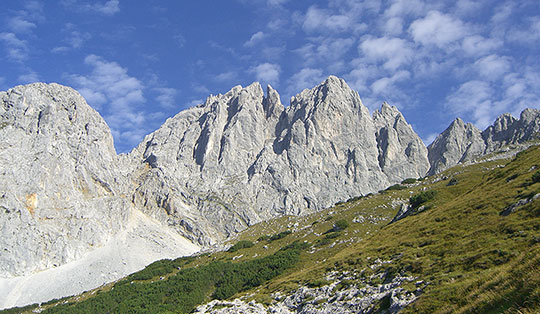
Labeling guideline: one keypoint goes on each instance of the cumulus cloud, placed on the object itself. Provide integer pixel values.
(28, 77)
(405, 8)
(118, 96)
(110, 7)
(493, 67)
(322, 20)
(473, 98)
(305, 78)
(394, 52)
(17, 49)
(385, 85)
(325, 50)
(477, 45)
(266, 73)
(166, 96)
(20, 25)
(255, 38)
(437, 29)
(227, 76)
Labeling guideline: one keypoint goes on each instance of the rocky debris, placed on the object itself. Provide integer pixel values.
(524, 201)
(62, 192)
(242, 157)
(390, 297)
(462, 142)
(140, 243)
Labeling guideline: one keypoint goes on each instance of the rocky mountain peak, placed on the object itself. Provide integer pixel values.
(62, 192)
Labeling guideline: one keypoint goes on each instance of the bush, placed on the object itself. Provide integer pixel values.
(280, 235)
(408, 181)
(416, 200)
(240, 245)
(536, 177)
(395, 187)
(340, 225)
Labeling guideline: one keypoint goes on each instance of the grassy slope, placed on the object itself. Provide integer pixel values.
(473, 259)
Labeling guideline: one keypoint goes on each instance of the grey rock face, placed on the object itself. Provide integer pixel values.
(241, 157)
(458, 143)
(462, 142)
(402, 154)
(59, 194)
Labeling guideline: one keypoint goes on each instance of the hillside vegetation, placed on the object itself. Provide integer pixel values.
(468, 243)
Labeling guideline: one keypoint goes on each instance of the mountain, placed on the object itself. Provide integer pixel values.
(67, 223)
(241, 158)
(470, 245)
(72, 208)
(462, 142)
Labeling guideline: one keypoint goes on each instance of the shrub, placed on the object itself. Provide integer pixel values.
(240, 245)
(408, 181)
(341, 224)
(536, 177)
(280, 235)
(395, 187)
(416, 200)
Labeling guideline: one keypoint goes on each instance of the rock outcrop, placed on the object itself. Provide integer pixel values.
(402, 154)
(462, 142)
(60, 196)
(242, 157)
(458, 143)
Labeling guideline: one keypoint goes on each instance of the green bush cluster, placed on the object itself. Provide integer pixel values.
(396, 187)
(408, 181)
(340, 225)
(240, 245)
(416, 200)
(274, 237)
(536, 177)
(188, 288)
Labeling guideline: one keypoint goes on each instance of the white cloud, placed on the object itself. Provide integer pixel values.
(325, 50)
(110, 7)
(493, 66)
(385, 85)
(477, 45)
(166, 96)
(266, 73)
(393, 26)
(394, 52)
(29, 77)
(306, 78)
(109, 88)
(430, 138)
(473, 98)
(276, 2)
(226, 76)
(17, 49)
(255, 38)
(466, 7)
(20, 25)
(437, 29)
(405, 7)
(322, 20)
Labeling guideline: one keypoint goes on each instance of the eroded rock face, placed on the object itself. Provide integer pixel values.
(59, 193)
(241, 157)
(402, 154)
(462, 142)
(458, 143)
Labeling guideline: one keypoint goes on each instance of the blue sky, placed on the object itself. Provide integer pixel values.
(140, 62)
